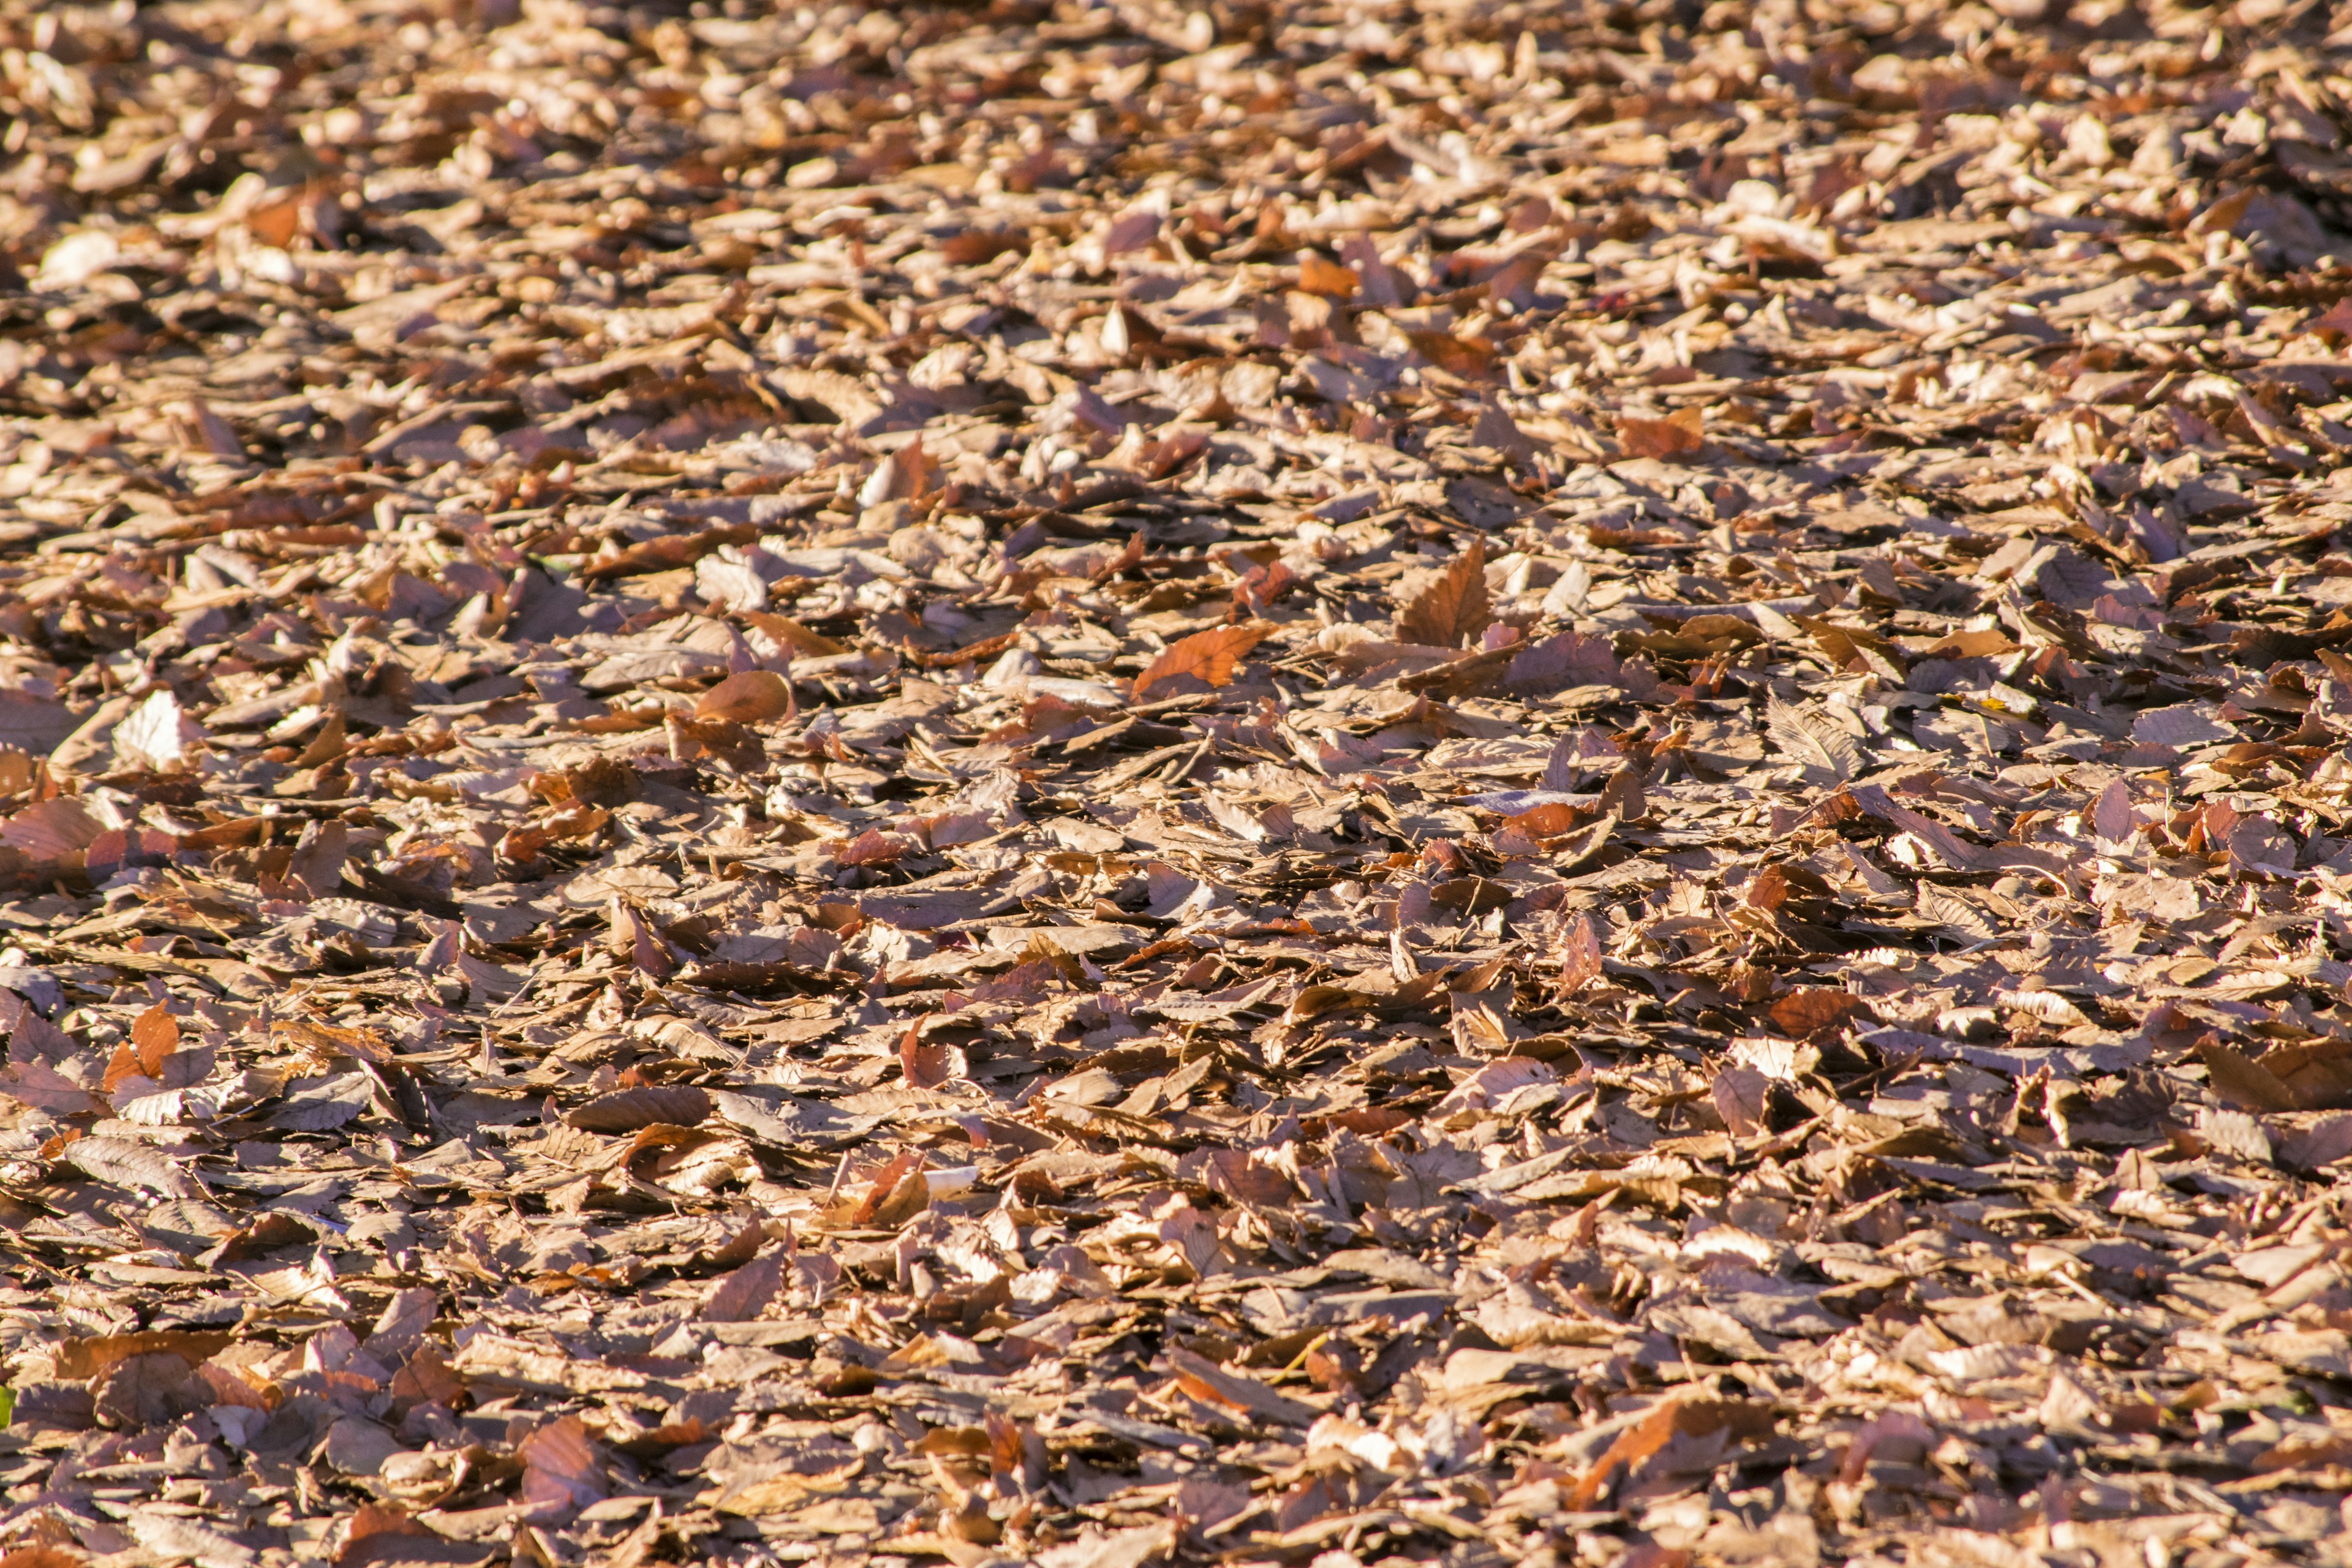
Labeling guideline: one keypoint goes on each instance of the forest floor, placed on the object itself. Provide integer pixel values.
(1294, 784)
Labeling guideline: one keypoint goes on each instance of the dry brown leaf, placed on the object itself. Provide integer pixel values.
(1742, 1096)
(2317, 1076)
(154, 1035)
(1453, 608)
(794, 635)
(1580, 955)
(743, 1295)
(627, 1109)
(1677, 434)
(1672, 1418)
(1208, 656)
(747, 697)
(1853, 632)
(1810, 1008)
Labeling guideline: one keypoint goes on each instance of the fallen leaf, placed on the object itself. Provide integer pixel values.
(1208, 656)
(1677, 434)
(627, 1109)
(1453, 608)
(748, 697)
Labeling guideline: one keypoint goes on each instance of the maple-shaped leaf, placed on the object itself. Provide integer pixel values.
(1679, 433)
(1208, 656)
(1452, 607)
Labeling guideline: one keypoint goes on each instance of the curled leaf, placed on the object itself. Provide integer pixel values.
(747, 697)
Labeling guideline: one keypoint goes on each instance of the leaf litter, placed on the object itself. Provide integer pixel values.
(1104, 785)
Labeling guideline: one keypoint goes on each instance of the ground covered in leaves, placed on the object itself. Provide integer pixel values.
(1293, 783)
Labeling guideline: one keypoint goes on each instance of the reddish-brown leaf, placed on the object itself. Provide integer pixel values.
(1812, 1008)
(1671, 1418)
(904, 1171)
(747, 697)
(154, 1035)
(1580, 955)
(928, 1067)
(1678, 434)
(2313, 1076)
(743, 1294)
(1453, 607)
(1741, 1097)
(1318, 276)
(1208, 656)
(561, 1471)
(794, 635)
(666, 553)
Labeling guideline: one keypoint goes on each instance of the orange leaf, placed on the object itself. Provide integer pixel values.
(525, 840)
(1680, 432)
(1548, 820)
(790, 633)
(1812, 1007)
(1454, 607)
(894, 1190)
(748, 697)
(974, 246)
(2305, 1454)
(1671, 1418)
(1317, 276)
(383, 1525)
(154, 1035)
(1461, 356)
(427, 1377)
(1207, 655)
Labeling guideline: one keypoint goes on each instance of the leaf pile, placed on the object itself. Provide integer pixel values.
(1102, 784)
